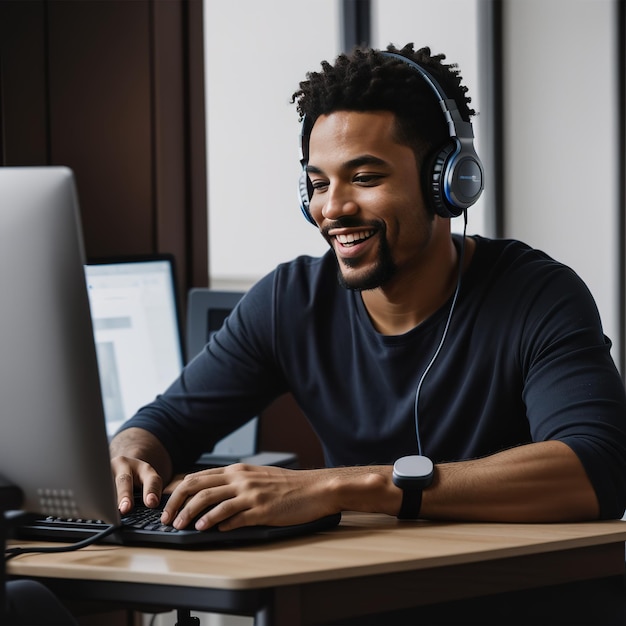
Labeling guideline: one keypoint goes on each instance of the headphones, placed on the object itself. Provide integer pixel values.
(453, 176)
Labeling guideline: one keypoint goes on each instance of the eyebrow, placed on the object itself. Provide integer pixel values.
(366, 159)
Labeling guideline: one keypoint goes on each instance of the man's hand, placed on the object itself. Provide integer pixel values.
(138, 459)
(130, 473)
(247, 495)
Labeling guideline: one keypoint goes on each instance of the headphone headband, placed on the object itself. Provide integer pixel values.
(453, 177)
(457, 126)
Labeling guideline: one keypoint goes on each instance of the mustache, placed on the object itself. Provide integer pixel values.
(352, 222)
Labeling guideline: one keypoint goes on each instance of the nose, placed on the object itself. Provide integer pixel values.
(338, 202)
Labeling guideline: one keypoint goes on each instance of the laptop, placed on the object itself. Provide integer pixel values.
(53, 434)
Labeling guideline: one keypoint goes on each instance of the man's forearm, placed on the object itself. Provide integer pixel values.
(539, 482)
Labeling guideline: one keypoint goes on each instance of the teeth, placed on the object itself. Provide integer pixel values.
(354, 237)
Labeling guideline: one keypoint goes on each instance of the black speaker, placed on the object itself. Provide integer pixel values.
(453, 176)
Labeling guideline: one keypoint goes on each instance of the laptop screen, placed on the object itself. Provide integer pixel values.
(137, 332)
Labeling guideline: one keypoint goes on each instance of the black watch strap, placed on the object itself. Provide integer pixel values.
(411, 504)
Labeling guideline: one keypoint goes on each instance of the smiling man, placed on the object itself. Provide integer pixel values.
(447, 377)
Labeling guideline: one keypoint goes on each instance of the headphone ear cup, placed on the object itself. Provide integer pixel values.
(434, 179)
(454, 178)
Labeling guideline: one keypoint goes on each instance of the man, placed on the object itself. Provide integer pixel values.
(485, 357)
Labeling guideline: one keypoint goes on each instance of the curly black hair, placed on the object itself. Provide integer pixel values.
(366, 80)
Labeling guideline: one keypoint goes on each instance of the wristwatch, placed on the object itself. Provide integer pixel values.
(412, 474)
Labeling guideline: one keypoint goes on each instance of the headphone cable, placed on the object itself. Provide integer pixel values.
(443, 337)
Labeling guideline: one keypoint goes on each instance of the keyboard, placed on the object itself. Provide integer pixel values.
(143, 527)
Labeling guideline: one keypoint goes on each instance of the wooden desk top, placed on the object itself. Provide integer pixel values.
(363, 544)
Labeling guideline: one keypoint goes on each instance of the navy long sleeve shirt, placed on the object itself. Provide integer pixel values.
(525, 359)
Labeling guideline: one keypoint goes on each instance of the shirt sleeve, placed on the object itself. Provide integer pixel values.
(573, 391)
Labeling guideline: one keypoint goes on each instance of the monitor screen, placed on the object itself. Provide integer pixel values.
(137, 333)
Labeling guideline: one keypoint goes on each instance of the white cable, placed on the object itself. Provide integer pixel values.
(443, 337)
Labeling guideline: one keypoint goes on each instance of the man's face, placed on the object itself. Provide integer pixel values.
(367, 198)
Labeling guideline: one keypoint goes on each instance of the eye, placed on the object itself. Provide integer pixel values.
(319, 185)
(368, 179)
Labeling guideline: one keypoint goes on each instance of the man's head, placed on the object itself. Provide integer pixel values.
(371, 124)
(409, 84)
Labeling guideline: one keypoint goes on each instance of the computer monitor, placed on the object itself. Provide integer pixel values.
(207, 309)
(52, 423)
(134, 308)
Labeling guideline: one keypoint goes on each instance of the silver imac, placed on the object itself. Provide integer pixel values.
(53, 442)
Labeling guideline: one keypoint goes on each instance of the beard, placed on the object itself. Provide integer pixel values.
(381, 272)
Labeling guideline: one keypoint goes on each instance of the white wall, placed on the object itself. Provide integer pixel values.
(561, 138)
(256, 54)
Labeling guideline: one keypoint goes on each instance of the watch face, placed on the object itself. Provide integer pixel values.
(415, 471)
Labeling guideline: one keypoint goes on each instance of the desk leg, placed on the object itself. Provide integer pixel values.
(283, 608)
(185, 618)
(263, 617)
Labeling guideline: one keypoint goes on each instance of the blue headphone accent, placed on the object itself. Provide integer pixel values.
(454, 175)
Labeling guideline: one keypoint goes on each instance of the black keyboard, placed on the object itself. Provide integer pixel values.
(142, 526)
(143, 518)
(140, 518)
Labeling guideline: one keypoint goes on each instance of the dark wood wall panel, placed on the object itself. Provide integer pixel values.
(169, 124)
(114, 89)
(23, 98)
(197, 234)
(100, 118)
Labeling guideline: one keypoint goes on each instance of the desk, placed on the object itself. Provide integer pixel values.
(370, 563)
